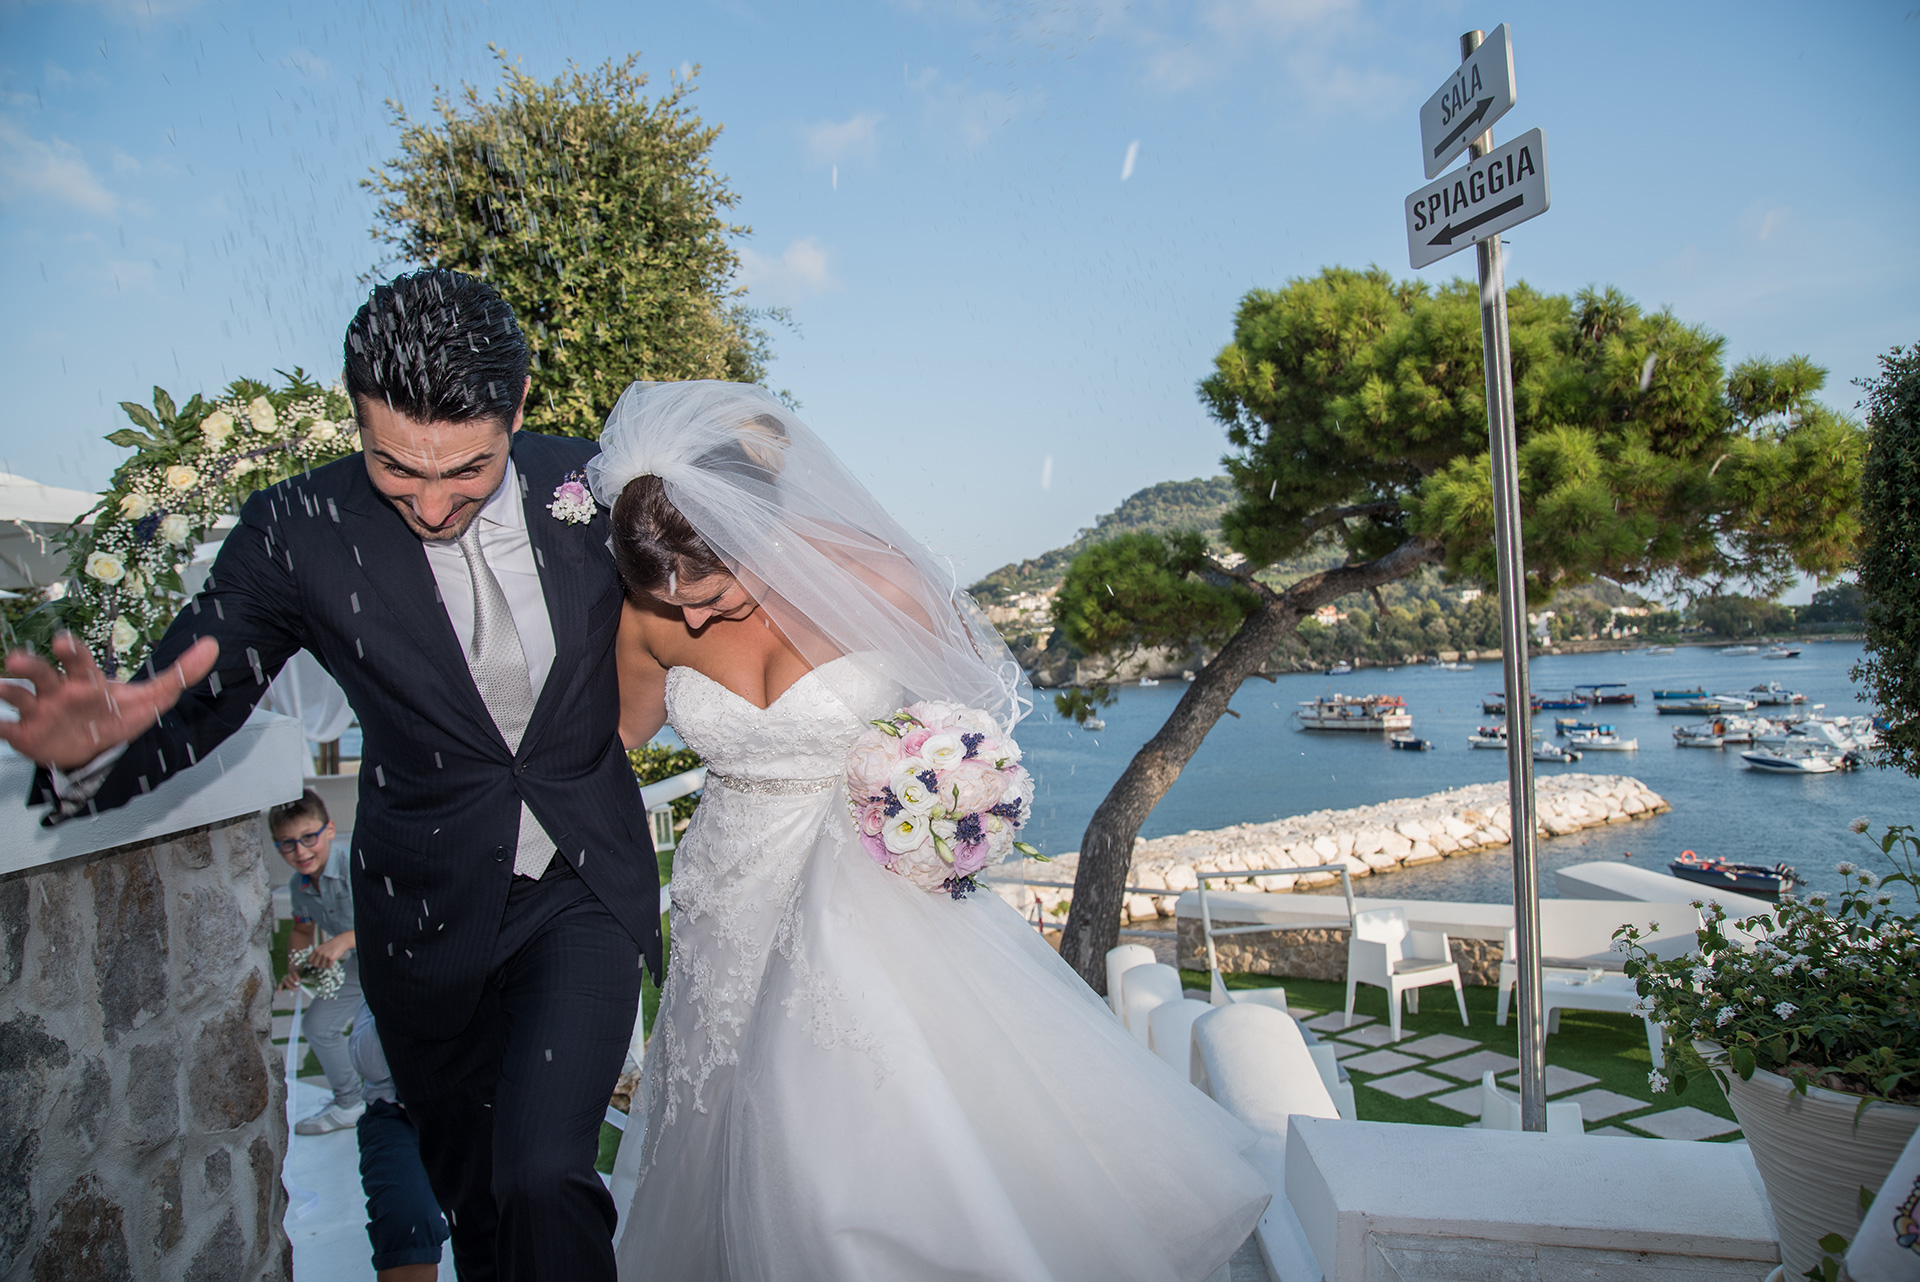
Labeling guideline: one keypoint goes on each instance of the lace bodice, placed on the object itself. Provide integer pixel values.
(802, 735)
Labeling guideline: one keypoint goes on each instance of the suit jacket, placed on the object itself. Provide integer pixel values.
(321, 561)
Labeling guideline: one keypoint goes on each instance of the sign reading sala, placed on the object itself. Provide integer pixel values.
(1503, 188)
(1474, 96)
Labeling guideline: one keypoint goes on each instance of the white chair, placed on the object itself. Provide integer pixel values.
(1143, 989)
(1500, 1111)
(1384, 952)
(1329, 1065)
(1119, 961)
(1170, 1033)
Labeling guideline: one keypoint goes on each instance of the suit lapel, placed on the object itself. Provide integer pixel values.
(393, 562)
(558, 547)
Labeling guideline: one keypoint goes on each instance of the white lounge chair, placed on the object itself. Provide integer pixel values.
(1500, 1111)
(1143, 989)
(1170, 1033)
(1119, 961)
(1382, 951)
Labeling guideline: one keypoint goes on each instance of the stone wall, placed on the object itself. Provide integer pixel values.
(1318, 954)
(142, 1104)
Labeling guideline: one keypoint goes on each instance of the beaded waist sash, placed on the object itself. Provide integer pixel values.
(773, 787)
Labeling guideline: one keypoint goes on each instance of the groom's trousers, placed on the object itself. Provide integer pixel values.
(509, 1112)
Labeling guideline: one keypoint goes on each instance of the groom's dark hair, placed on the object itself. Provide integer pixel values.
(438, 346)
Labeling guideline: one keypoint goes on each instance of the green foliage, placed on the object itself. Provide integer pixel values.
(192, 464)
(1641, 459)
(657, 761)
(1123, 594)
(1889, 560)
(1729, 614)
(1840, 603)
(595, 212)
(1165, 508)
(1827, 998)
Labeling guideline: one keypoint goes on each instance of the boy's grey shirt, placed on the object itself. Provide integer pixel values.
(328, 901)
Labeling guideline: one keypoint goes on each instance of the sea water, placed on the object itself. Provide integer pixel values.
(1262, 766)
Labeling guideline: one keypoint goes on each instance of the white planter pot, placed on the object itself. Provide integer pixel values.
(1815, 1152)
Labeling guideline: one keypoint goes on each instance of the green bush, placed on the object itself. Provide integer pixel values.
(1889, 562)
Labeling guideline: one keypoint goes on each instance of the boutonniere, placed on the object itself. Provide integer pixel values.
(572, 500)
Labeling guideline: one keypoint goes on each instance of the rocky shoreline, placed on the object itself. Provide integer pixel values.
(1368, 840)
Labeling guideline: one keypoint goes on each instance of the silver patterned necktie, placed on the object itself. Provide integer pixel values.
(499, 667)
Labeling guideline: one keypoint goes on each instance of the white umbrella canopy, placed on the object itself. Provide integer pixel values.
(31, 514)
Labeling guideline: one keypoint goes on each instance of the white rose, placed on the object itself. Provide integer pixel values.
(905, 833)
(260, 414)
(935, 714)
(105, 567)
(134, 584)
(1005, 752)
(124, 635)
(912, 790)
(135, 506)
(216, 427)
(978, 722)
(177, 530)
(943, 751)
(181, 477)
(323, 432)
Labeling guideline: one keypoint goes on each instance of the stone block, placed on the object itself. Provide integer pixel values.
(216, 936)
(227, 1083)
(1423, 852)
(1469, 1067)
(217, 1176)
(90, 1098)
(153, 1093)
(222, 1255)
(1600, 1104)
(1408, 1085)
(1380, 1062)
(1369, 841)
(169, 1215)
(193, 849)
(130, 954)
(86, 1238)
(1684, 1123)
(14, 923)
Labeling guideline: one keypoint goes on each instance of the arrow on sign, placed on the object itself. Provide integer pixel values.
(1448, 234)
(1461, 129)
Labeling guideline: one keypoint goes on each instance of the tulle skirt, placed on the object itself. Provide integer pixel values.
(912, 1087)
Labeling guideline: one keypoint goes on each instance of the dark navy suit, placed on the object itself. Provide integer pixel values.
(464, 966)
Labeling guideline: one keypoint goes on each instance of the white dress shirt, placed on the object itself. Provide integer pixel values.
(504, 542)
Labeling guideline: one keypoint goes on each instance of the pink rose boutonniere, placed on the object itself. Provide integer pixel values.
(572, 500)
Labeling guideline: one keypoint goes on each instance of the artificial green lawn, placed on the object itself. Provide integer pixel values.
(1612, 1048)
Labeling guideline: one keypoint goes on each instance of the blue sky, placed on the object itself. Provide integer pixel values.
(1012, 234)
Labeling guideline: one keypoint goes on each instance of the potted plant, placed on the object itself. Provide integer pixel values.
(1809, 1017)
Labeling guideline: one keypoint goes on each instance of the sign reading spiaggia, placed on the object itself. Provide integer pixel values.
(1503, 188)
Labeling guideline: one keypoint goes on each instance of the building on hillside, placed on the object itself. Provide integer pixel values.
(1326, 616)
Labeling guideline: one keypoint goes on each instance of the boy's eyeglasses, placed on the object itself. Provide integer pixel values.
(306, 841)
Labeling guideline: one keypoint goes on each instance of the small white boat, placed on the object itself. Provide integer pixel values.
(1355, 712)
(1659, 649)
(1488, 737)
(1187, 675)
(1705, 734)
(1781, 652)
(1095, 723)
(1456, 667)
(1740, 649)
(1340, 669)
(1148, 681)
(1601, 741)
(1773, 693)
(1790, 761)
(1545, 750)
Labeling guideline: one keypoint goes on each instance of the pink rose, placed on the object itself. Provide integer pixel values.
(910, 746)
(573, 490)
(878, 849)
(969, 857)
(872, 817)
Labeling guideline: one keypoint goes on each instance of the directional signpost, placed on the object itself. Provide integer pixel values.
(1497, 189)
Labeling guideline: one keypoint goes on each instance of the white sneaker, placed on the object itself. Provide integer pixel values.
(330, 1118)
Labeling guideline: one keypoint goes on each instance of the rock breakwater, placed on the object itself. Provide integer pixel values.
(1368, 840)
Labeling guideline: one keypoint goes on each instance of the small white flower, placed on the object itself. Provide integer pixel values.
(106, 567)
(1702, 975)
(1617, 946)
(1883, 898)
(1818, 972)
(1867, 879)
(911, 789)
(1785, 1009)
(1859, 825)
(124, 635)
(1846, 868)
(134, 584)
(1724, 1016)
(1782, 970)
(1656, 1081)
(943, 750)
(905, 832)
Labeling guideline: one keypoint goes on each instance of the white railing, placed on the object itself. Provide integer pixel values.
(659, 797)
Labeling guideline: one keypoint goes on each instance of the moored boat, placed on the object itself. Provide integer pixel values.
(1795, 760)
(1355, 712)
(1488, 737)
(1546, 750)
(1739, 649)
(1604, 692)
(1773, 693)
(1751, 879)
(1559, 702)
(1706, 734)
(1340, 669)
(1601, 740)
(1406, 742)
(1659, 649)
(1781, 652)
(1694, 693)
(1706, 705)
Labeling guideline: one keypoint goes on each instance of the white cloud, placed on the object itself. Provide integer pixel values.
(831, 142)
(800, 271)
(976, 114)
(52, 169)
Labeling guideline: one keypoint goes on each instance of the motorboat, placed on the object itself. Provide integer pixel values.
(1355, 712)
(1797, 760)
(1781, 652)
(1340, 669)
(1659, 649)
(1568, 725)
(1709, 705)
(1405, 741)
(1545, 750)
(1494, 705)
(1707, 734)
(1094, 723)
(1601, 740)
(1456, 666)
(1749, 879)
(1145, 682)
(1694, 693)
(1559, 702)
(1488, 737)
(1739, 649)
(1604, 692)
(1773, 693)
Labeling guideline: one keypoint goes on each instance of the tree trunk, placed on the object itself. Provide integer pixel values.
(1106, 851)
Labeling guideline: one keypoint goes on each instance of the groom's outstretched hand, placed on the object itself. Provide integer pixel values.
(75, 712)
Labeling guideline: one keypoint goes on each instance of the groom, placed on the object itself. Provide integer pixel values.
(505, 891)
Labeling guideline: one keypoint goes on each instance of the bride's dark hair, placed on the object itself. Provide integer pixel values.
(652, 539)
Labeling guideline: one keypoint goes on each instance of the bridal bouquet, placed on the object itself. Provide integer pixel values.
(937, 793)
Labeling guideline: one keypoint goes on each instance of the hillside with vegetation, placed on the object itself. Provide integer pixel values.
(1167, 508)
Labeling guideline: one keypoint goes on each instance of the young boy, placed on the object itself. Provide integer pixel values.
(323, 905)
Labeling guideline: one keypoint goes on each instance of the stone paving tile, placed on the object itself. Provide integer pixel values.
(1466, 1100)
(1334, 1021)
(1599, 1105)
(1614, 1132)
(1684, 1123)
(1381, 1062)
(282, 1027)
(1377, 1035)
(1438, 1045)
(1343, 1049)
(1558, 1079)
(1409, 1085)
(1301, 1012)
(1469, 1067)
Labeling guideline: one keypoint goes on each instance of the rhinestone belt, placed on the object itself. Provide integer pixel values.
(773, 787)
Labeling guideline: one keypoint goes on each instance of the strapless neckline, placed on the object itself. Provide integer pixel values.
(777, 699)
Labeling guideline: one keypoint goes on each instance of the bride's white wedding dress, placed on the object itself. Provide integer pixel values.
(849, 1078)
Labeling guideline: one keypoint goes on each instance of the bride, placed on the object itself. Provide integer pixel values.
(849, 1077)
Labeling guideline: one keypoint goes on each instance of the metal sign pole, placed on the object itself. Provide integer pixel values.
(1513, 649)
